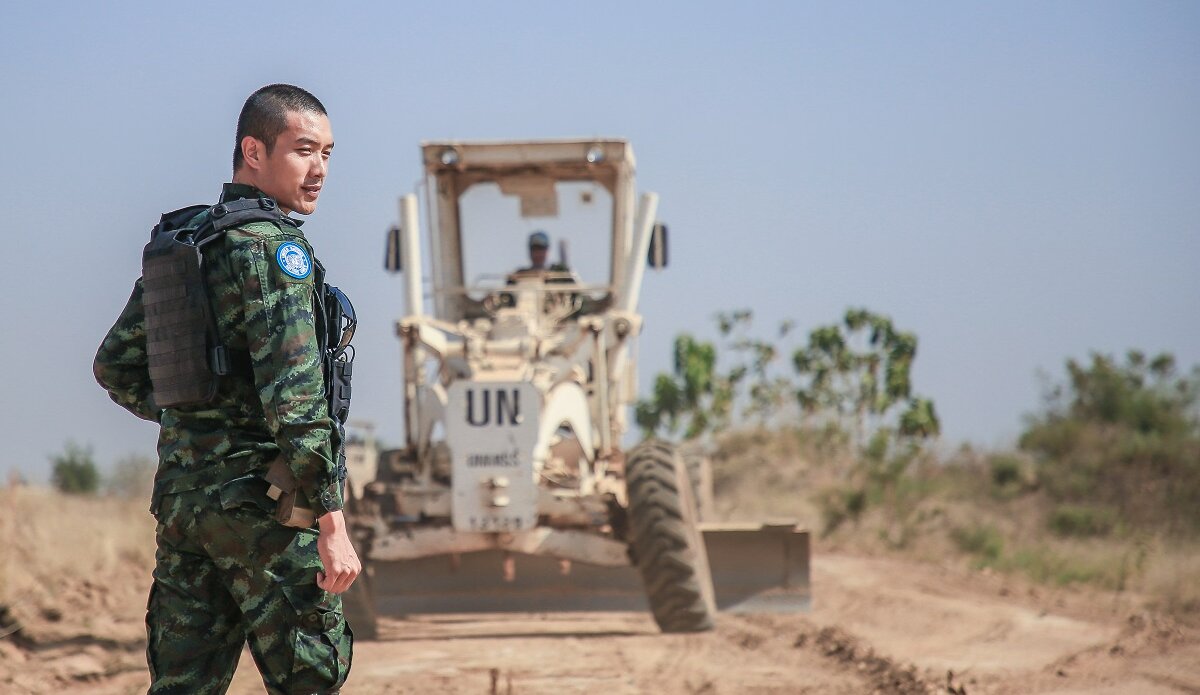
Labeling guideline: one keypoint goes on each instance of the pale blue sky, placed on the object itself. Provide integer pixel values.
(1017, 183)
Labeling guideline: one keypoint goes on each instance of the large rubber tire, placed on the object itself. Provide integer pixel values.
(665, 540)
(358, 605)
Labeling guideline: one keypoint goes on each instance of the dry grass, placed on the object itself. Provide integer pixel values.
(759, 473)
(1171, 579)
(68, 557)
(980, 508)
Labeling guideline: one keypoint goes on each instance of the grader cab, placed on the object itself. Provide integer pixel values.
(514, 490)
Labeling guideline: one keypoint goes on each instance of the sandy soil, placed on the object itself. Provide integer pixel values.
(877, 625)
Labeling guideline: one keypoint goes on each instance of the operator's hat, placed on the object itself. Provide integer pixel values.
(539, 240)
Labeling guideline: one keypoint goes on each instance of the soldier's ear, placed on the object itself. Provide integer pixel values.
(253, 152)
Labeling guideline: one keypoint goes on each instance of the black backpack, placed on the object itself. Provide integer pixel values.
(183, 348)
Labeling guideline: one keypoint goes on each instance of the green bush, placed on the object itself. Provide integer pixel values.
(840, 505)
(982, 540)
(1081, 522)
(1045, 565)
(855, 502)
(1125, 437)
(74, 471)
(1005, 470)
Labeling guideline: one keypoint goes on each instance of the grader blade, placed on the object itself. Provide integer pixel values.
(755, 568)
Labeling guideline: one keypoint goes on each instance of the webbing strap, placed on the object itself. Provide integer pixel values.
(221, 217)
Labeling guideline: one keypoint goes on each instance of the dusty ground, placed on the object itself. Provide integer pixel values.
(877, 625)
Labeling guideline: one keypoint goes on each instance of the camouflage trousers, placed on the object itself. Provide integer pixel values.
(226, 573)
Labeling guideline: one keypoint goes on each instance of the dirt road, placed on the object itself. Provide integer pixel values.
(877, 625)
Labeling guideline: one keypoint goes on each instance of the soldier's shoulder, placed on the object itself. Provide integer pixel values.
(266, 231)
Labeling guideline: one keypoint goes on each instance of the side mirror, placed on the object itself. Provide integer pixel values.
(392, 260)
(657, 256)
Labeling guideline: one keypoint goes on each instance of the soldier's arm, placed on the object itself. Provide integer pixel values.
(286, 355)
(121, 365)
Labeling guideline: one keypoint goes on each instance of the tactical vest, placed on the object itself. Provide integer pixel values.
(186, 358)
(185, 355)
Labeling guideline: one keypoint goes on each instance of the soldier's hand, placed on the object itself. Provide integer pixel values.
(337, 554)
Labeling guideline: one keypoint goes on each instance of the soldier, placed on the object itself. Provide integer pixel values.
(539, 251)
(539, 248)
(226, 570)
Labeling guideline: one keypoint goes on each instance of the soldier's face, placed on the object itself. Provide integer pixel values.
(294, 172)
(537, 256)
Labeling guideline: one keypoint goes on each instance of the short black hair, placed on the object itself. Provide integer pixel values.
(264, 115)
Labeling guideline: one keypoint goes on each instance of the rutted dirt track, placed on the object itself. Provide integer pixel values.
(878, 625)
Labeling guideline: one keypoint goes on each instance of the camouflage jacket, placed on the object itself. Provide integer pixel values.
(282, 410)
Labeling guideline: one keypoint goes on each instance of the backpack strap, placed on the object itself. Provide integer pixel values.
(222, 217)
(244, 211)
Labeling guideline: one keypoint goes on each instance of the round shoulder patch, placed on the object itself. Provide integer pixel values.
(293, 260)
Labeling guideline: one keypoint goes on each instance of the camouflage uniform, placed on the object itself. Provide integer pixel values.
(226, 571)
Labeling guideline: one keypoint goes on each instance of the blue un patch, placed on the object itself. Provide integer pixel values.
(294, 260)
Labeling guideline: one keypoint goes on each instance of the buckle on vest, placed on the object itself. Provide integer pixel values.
(219, 360)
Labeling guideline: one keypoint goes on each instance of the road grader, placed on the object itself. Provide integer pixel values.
(515, 490)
